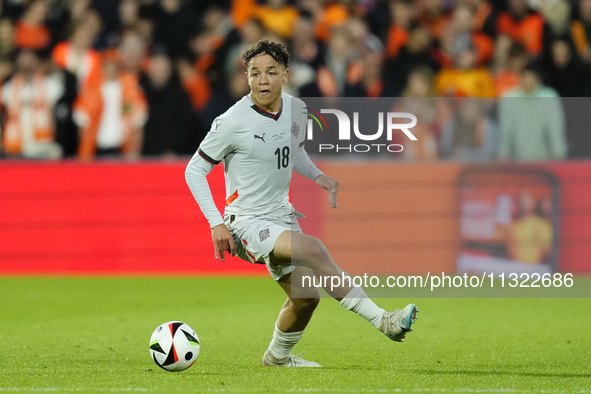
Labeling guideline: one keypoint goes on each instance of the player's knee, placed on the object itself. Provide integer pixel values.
(316, 250)
(307, 304)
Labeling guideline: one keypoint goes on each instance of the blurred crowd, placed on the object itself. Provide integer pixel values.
(145, 78)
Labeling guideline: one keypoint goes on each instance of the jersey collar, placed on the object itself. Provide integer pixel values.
(268, 114)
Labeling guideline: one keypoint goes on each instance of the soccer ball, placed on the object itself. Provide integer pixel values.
(174, 346)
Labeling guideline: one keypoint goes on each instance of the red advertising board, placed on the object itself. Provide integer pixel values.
(140, 218)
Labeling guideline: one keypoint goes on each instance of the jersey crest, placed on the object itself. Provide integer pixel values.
(295, 129)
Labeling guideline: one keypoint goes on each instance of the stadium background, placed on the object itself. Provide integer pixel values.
(73, 204)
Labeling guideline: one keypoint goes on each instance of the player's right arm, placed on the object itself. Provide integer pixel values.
(216, 145)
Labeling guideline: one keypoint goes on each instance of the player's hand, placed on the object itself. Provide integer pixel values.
(222, 241)
(330, 184)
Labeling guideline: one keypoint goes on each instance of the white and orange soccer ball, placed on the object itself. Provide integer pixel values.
(174, 346)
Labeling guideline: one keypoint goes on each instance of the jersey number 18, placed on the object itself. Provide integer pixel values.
(282, 157)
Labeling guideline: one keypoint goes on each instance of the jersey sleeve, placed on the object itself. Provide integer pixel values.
(196, 177)
(218, 142)
(302, 164)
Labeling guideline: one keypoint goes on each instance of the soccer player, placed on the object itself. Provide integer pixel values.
(261, 139)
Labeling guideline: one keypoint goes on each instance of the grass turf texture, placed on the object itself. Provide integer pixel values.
(91, 335)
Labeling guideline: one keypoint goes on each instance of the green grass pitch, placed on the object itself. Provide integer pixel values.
(92, 334)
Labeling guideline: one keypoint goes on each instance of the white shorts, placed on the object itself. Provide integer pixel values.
(255, 238)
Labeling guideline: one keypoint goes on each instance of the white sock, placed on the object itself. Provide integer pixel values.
(282, 343)
(358, 302)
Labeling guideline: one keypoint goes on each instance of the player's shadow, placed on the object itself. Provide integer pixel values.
(506, 373)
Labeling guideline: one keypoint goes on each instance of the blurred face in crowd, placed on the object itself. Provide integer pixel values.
(419, 39)
(128, 12)
(201, 44)
(238, 85)
(133, 50)
(78, 8)
(338, 43)
(518, 7)
(27, 62)
(357, 28)
(530, 81)
(560, 54)
(37, 12)
(585, 9)
(92, 23)
(303, 31)
(467, 59)
(433, 7)
(251, 32)
(214, 17)
(82, 37)
(418, 84)
(170, 6)
(462, 19)
(160, 70)
(265, 78)
(402, 13)
(6, 31)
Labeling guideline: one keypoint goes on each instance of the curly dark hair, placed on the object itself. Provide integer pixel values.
(276, 50)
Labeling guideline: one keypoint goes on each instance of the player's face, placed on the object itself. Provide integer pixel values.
(265, 78)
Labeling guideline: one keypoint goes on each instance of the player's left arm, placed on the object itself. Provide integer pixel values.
(303, 165)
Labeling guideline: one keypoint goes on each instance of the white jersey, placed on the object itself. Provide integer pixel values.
(259, 150)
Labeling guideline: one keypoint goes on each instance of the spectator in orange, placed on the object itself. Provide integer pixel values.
(242, 11)
(110, 111)
(278, 16)
(465, 79)
(203, 46)
(433, 16)
(523, 25)
(327, 15)
(77, 55)
(462, 19)
(483, 20)
(509, 65)
(29, 99)
(368, 82)
(444, 53)
(128, 13)
(31, 31)
(403, 13)
(195, 84)
(416, 53)
(581, 30)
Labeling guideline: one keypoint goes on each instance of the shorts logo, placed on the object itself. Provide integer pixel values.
(295, 129)
(264, 234)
